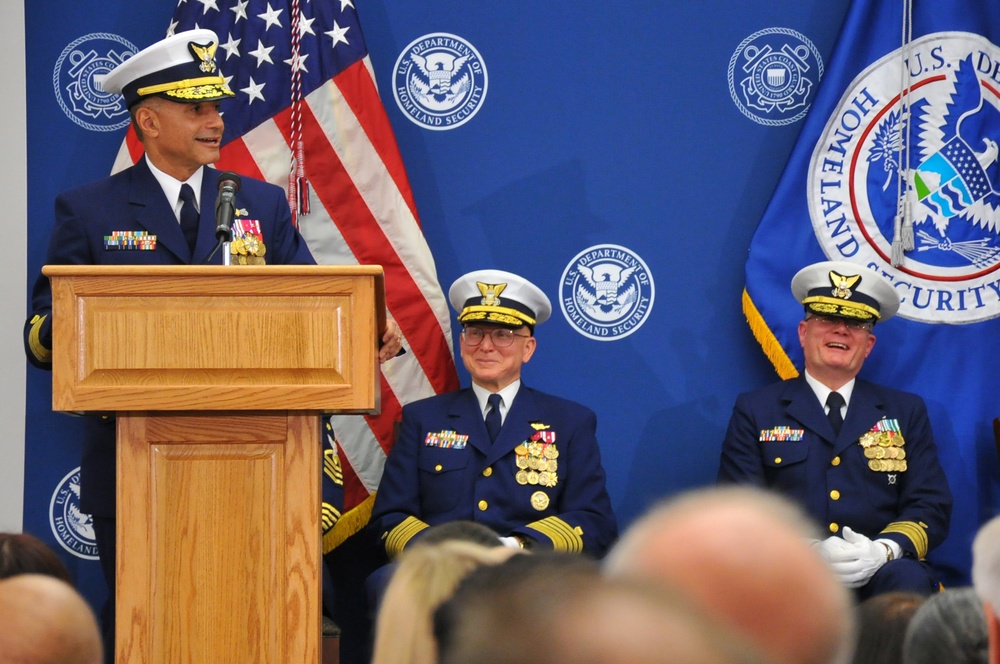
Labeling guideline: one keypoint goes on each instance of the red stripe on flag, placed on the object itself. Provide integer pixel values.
(355, 492)
(383, 426)
(359, 91)
(135, 149)
(363, 235)
(236, 157)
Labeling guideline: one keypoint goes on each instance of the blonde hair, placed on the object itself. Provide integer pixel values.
(427, 575)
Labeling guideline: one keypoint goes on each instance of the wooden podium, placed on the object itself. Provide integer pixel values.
(218, 377)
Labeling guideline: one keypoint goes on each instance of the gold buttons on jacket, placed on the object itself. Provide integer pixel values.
(777, 459)
(834, 527)
(835, 494)
(483, 505)
(487, 472)
(438, 467)
(836, 461)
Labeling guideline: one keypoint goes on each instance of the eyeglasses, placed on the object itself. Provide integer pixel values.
(850, 323)
(501, 337)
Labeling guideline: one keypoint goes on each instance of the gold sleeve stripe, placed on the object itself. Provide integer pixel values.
(398, 537)
(330, 515)
(564, 537)
(913, 532)
(331, 466)
(40, 352)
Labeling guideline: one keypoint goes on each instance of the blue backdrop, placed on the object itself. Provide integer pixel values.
(603, 124)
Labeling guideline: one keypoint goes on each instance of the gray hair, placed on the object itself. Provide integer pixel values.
(986, 563)
(949, 627)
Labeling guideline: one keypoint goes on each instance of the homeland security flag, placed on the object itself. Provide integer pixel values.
(897, 168)
(307, 116)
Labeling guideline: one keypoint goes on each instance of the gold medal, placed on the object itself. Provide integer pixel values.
(533, 462)
(869, 452)
(551, 452)
(539, 500)
(902, 466)
(553, 465)
(902, 453)
(521, 450)
(873, 464)
(884, 439)
(521, 462)
(868, 439)
(532, 477)
(521, 477)
(543, 478)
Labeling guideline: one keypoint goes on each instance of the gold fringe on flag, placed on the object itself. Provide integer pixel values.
(768, 342)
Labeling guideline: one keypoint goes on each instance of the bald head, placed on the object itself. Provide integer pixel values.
(743, 555)
(44, 621)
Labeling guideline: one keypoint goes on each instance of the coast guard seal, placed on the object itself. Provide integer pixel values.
(773, 75)
(76, 91)
(937, 148)
(606, 292)
(440, 81)
(73, 529)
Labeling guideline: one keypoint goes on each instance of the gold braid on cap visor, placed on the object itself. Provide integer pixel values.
(205, 81)
(833, 305)
(502, 315)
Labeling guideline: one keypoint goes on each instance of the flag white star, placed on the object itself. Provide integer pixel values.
(253, 91)
(300, 65)
(240, 9)
(337, 34)
(172, 29)
(271, 17)
(209, 4)
(262, 53)
(231, 47)
(305, 26)
(346, 3)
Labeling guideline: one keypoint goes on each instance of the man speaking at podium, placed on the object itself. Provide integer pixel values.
(159, 212)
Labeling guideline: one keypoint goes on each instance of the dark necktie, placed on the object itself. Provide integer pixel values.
(835, 402)
(189, 216)
(493, 417)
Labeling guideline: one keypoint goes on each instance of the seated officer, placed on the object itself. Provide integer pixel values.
(524, 463)
(859, 457)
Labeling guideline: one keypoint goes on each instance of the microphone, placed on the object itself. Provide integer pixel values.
(229, 184)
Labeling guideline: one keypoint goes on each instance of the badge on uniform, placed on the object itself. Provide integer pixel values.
(883, 447)
(781, 434)
(247, 246)
(537, 463)
(129, 241)
(446, 439)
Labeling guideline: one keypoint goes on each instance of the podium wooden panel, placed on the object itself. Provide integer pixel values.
(218, 376)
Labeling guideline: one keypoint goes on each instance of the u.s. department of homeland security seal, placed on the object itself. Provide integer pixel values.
(440, 81)
(73, 529)
(773, 74)
(76, 89)
(606, 292)
(950, 176)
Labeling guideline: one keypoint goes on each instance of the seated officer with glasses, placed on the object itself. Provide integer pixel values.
(524, 463)
(859, 457)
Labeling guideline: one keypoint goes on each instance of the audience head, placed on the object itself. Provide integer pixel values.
(882, 623)
(948, 627)
(986, 579)
(425, 576)
(21, 553)
(743, 555)
(554, 608)
(461, 530)
(43, 620)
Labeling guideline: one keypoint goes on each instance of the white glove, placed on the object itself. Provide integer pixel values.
(854, 559)
(511, 542)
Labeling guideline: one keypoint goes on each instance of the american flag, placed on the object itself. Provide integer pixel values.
(307, 116)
